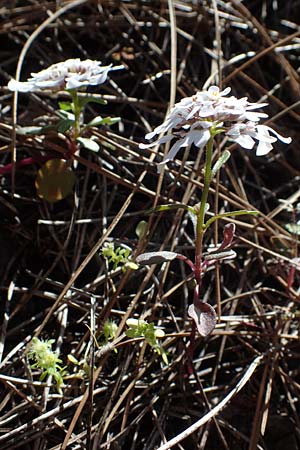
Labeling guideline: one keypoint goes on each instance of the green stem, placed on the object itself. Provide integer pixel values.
(242, 212)
(200, 229)
(77, 112)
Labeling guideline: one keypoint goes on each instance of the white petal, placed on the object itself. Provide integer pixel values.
(254, 116)
(200, 138)
(162, 140)
(74, 83)
(193, 112)
(205, 124)
(173, 151)
(245, 141)
(206, 111)
(256, 105)
(213, 90)
(225, 91)
(186, 101)
(170, 122)
(99, 78)
(20, 86)
(156, 131)
(59, 83)
(287, 140)
(262, 135)
(111, 67)
(263, 148)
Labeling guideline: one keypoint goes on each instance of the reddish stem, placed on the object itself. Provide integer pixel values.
(38, 159)
(24, 162)
(186, 260)
(190, 350)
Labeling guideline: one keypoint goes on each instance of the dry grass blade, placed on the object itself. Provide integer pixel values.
(214, 411)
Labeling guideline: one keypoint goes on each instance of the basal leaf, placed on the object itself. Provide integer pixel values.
(204, 317)
(55, 180)
(155, 257)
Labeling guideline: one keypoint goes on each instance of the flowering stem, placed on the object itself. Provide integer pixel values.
(200, 230)
(77, 112)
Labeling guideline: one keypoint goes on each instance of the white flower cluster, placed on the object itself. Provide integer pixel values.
(195, 119)
(66, 75)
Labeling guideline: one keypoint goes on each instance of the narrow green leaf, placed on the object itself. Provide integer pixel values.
(102, 121)
(164, 357)
(95, 121)
(65, 106)
(34, 130)
(169, 207)
(131, 265)
(110, 120)
(141, 229)
(221, 161)
(159, 333)
(64, 125)
(89, 144)
(241, 212)
(72, 359)
(66, 115)
(131, 333)
(108, 145)
(131, 322)
(84, 100)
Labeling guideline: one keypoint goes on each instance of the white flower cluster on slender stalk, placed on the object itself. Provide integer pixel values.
(195, 119)
(66, 75)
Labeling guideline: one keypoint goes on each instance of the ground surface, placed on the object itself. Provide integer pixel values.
(54, 280)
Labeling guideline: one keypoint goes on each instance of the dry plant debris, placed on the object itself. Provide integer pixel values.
(241, 389)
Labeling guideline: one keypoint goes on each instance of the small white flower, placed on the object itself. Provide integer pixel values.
(244, 134)
(197, 137)
(70, 74)
(213, 92)
(194, 119)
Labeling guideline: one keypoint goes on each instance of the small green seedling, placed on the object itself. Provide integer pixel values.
(118, 257)
(46, 360)
(142, 329)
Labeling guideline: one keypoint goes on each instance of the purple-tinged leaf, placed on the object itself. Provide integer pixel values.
(155, 257)
(218, 255)
(204, 317)
(228, 233)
